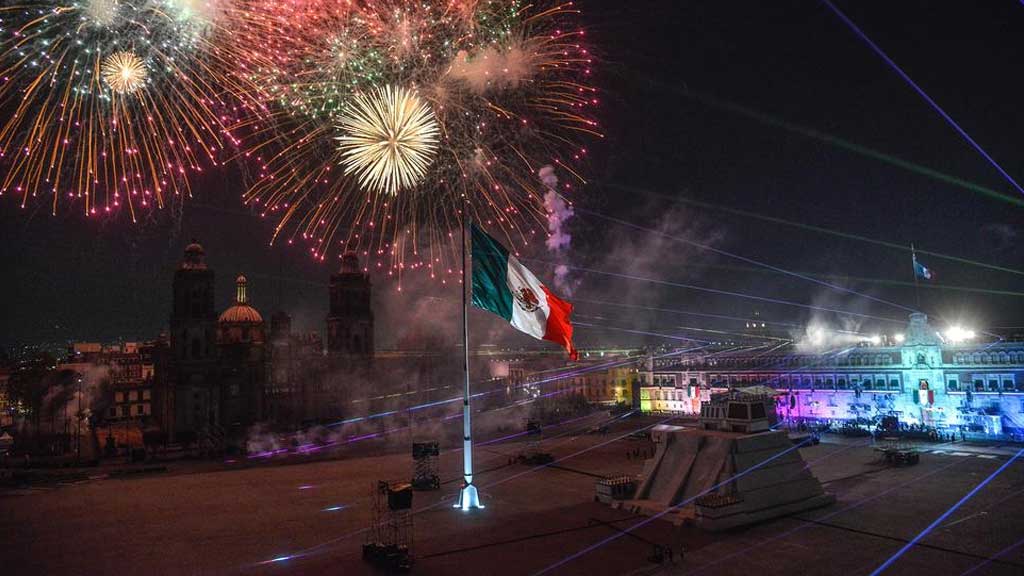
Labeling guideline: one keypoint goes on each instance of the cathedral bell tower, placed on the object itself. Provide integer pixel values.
(193, 391)
(350, 319)
(193, 319)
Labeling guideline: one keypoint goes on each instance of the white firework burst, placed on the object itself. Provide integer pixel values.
(102, 12)
(389, 139)
(124, 72)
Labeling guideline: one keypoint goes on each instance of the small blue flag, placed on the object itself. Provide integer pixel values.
(921, 271)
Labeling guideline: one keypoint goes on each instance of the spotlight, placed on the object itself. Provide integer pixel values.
(899, 338)
(957, 334)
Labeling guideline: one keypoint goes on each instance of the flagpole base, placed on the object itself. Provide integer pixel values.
(468, 498)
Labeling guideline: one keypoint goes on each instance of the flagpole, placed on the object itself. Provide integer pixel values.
(913, 259)
(468, 497)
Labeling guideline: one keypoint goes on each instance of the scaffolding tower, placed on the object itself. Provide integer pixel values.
(424, 473)
(389, 541)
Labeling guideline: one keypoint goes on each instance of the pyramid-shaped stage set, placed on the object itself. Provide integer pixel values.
(720, 479)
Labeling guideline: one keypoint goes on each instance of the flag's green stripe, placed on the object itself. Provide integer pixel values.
(490, 275)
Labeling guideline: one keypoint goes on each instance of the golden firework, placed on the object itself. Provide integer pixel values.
(389, 139)
(124, 72)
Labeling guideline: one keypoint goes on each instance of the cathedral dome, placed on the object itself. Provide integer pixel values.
(241, 312)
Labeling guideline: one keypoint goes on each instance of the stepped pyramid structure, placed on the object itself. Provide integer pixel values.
(718, 478)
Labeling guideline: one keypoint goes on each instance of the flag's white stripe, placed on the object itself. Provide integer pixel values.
(533, 322)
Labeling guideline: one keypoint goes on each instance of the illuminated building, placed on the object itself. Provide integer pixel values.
(923, 380)
(6, 405)
(242, 363)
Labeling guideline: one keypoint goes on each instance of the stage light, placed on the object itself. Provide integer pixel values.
(899, 338)
(957, 334)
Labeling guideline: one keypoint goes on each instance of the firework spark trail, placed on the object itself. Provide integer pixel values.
(507, 84)
(949, 119)
(913, 541)
(810, 227)
(703, 246)
(114, 104)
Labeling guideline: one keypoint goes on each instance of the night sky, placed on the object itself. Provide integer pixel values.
(670, 71)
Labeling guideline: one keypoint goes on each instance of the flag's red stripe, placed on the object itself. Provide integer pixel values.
(559, 328)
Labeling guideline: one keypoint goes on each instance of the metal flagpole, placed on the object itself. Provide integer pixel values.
(917, 292)
(468, 497)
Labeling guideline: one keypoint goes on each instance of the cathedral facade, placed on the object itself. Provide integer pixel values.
(218, 364)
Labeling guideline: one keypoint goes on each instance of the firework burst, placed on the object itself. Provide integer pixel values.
(114, 103)
(505, 82)
(124, 72)
(389, 139)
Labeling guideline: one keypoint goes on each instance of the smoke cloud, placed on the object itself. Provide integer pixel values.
(492, 69)
(559, 212)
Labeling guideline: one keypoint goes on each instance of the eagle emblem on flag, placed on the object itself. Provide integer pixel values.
(526, 299)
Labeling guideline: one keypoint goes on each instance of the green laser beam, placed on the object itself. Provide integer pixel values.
(883, 281)
(809, 132)
(808, 227)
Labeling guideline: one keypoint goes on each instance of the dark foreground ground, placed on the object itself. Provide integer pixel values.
(310, 518)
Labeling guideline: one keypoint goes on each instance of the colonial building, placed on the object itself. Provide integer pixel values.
(924, 380)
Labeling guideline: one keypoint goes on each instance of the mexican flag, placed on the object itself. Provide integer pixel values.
(505, 287)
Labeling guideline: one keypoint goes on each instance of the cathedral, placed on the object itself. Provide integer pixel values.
(231, 371)
(218, 364)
